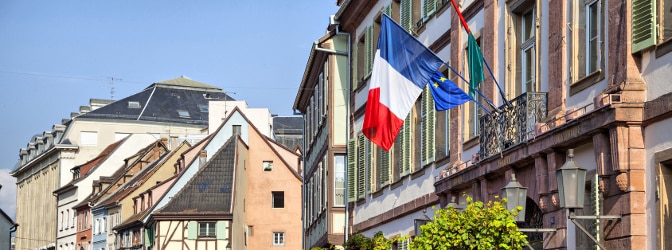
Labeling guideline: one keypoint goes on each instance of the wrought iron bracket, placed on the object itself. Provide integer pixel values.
(573, 217)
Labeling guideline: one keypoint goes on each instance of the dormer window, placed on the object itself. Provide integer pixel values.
(133, 105)
(183, 113)
(203, 108)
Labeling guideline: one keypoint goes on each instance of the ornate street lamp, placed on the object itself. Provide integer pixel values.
(571, 183)
(516, 195)
(421, 221)
(571, 189)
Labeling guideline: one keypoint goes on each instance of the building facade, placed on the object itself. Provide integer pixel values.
(323, 100)
(584, 75)
(175, 109)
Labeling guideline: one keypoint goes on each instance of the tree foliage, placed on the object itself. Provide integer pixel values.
(479, 226)
(361, 242)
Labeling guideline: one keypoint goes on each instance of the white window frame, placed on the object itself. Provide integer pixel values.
(528, 48)
(278, 238)
(210, 229)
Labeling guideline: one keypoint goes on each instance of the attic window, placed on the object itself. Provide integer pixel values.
(268, 165)
(133, 105)
(183, 113)
(203, 108)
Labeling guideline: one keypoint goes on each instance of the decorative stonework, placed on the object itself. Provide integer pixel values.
(555, 200)
(602, 185)
(545, 204)
(622, 181)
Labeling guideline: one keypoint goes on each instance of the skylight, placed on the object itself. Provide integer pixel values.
(203, 108)
(133, 104)
(183, 113)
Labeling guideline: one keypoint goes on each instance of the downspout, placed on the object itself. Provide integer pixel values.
(12, 230)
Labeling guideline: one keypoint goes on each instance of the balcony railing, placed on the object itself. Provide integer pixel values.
(510, 126)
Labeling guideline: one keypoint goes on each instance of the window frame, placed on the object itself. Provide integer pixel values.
(278, 197)
(210, 229)
(278, 238)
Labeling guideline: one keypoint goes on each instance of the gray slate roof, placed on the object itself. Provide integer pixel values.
(163, 102)
(210, 190)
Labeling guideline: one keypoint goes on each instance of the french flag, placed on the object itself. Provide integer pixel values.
(402, 66)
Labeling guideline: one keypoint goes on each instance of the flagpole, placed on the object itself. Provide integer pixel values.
(477, 91)
(466, 27)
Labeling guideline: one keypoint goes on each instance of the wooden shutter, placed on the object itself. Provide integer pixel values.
(383, 163)
(429, 126)
(370, 50)
(370, 184)
(406, 147)
(406, 12)
(387, 10)
(221, 230)
(643, 24)
(361, 166)
(192, 230)
(352, 170)
(428, 8)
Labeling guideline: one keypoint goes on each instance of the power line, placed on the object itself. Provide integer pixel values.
(102, 79)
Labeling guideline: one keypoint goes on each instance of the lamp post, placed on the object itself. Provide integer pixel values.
(516, 195)
(417, 223)
(571, 189)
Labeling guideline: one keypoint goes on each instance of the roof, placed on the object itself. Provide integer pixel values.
(210, 190)
(186, 82)
(179, 100)
(288, 125)
(4, 215)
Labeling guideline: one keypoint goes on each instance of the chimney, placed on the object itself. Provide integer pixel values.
(201, 158)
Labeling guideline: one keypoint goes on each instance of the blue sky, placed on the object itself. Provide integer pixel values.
(56, 55)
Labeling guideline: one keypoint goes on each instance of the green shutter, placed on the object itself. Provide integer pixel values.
(406, 14)
(361, 166)
(383, 163)
(430, 126)
(643, 24)
(369, 166)
(149, 237)
(370, 50)
(352, 170)
(387, 10)
(192, 230)
(221, 230)
(428, 8)
(406, 145)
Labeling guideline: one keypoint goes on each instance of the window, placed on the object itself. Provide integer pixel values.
(250, 230)
(339, 180)
(586, 33)
(268, 165)
(236, 130)
(62, 220)
(134, 105)
(278, 238)
(206, 229)
(183, 113)
(88, 138)
(203, 108)
(278, 199)
(665, 19)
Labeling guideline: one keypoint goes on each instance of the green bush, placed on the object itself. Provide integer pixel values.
(479, 226)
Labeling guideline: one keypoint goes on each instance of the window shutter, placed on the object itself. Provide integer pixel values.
(643, 24)
(148, 237)
(370, 50)
(192, 230)
(428, 8)
(361, 166)
(220, 228)
(370, 184)
(383, 163)
(406, 147)
(430, 126)
(388, 10)
(352, 168)
(406, 12)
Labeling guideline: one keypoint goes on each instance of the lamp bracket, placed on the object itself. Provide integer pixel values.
(537, 230)
(594, 217)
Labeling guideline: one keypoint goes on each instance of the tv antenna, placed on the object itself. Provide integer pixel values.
(112, 79)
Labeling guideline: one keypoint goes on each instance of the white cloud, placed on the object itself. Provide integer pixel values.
(8, 193)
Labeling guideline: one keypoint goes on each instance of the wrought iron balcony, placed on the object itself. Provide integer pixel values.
(510, 127)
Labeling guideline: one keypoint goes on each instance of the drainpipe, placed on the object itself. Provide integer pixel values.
(12, 230)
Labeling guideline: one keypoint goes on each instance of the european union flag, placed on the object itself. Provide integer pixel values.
(446, 94)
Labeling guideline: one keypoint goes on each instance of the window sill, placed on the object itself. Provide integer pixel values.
(664, 48)
(471, 142)
(586, 82)
(419, 173)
